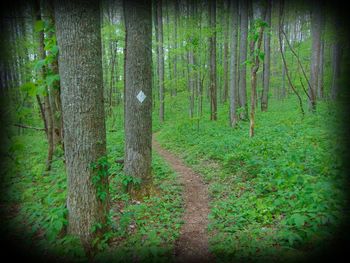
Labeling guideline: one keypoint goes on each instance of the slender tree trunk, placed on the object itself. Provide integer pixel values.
(266, 70)
(54, 89)
(315, 55)
(280, 23)
(320, 89)
(242, 58)
(190, 55)
(336, 58)
(212, 47)
(226, 57)
(138, 109)
(233, 61)
(176, 15)
(254, 45)
(42, 76)
(160, 59)
(80, 66)
(321, 60)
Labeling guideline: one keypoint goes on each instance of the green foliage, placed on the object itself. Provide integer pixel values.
(270, 194)
(99, 179)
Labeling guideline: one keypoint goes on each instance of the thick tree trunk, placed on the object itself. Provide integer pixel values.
(266, 70)
(242, 58)
(233, 62)
(138, 111)
(212, 47)
(80, 66)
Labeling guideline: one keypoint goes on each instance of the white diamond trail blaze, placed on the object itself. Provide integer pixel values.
(141, 96)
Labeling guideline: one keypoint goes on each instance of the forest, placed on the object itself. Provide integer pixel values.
(174, 130)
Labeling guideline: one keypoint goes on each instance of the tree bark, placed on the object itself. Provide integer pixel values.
(80, 66)
(138, 114)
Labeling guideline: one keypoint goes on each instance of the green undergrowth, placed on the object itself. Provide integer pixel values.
(278, 195)
(37, 215)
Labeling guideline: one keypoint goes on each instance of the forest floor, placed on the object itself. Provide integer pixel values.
(192, 244)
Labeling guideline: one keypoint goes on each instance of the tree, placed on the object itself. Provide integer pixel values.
(336, 59)
(176, 15)
(80, 66)
(266, 69)
(159, 29)
(138, 96)
(242, 58)
(225, 18)
(212, 47)
(233, 61)
(46, 108)
(315, 55)
(257, 29)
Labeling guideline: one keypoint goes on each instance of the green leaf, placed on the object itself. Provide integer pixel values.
(30, 88)
(39, 26)
(39, 64)
(299, 220)
(50, 79)
(58, 225)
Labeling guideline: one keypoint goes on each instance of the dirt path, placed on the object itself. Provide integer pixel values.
(192, 245)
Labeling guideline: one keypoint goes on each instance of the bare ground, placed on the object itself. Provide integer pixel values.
(192, 245)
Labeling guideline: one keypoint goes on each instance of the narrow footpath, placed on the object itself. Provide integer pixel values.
(192, 245)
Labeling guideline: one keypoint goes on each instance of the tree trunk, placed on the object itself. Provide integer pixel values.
(320, 86)
(315, 55)
(191, 73)
(54, 89)
(254, 45)
(226, 58)
(160, 59)
(243, 58)
(80, 66)
(266, 69)
(176, 15)
(212, 47)
(138, 112)
(336, 56)
(42, 75)
(321, 59)
(233, 61)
